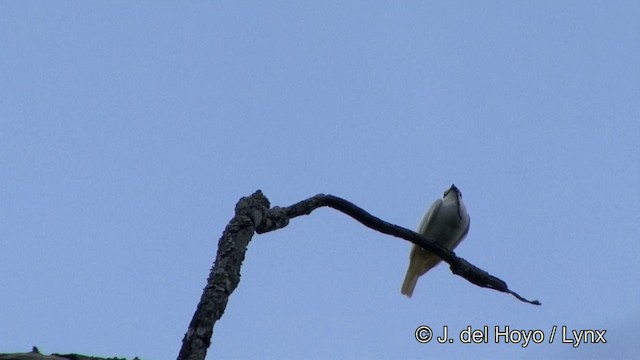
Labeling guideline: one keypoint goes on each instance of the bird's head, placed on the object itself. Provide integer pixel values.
(452, 191)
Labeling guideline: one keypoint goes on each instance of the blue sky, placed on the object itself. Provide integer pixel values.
(128, 131)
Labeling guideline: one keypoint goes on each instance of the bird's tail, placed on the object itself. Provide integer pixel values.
(409, 283)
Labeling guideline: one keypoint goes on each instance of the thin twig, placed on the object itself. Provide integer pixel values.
(458, 265)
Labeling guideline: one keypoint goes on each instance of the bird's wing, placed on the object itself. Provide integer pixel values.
(428, 217)
(461, 237)
(420, 260)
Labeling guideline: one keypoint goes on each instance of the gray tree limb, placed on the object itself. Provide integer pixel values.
(254, 214)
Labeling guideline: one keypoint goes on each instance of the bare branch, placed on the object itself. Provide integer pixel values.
(458, 265)
(224, 276)
(253, 214)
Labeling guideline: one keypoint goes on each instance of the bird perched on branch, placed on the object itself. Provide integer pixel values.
(447, 222)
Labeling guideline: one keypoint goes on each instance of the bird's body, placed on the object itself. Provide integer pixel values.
(447, 222)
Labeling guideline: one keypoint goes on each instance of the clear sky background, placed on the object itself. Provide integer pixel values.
(129, 130)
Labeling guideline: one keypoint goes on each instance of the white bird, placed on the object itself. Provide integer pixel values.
(447, 222)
